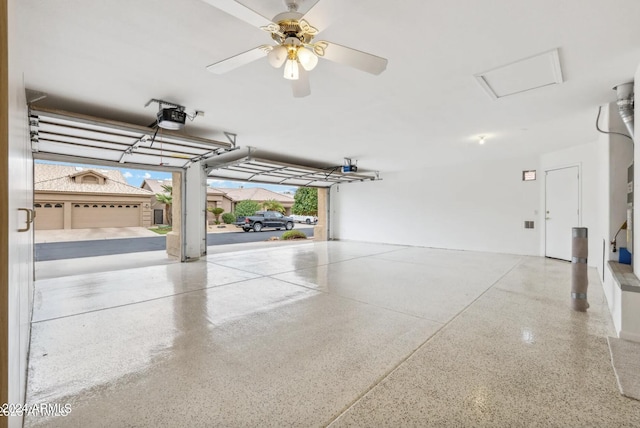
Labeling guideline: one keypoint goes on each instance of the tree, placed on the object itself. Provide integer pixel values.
(216, 212)
(305, 201)
(247, 208)
(166, 198)
(273, 205)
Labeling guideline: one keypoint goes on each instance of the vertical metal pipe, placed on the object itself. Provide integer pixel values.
(579, 277)
(626, 105)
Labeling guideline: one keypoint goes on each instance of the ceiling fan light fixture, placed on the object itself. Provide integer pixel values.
(278, 56)
(308, 60)
(291, 70)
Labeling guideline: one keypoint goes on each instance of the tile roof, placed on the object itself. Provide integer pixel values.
(156, 185)
(215, 191)
(256, 194)
(58, 178)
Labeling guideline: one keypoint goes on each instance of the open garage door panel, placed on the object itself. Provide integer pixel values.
(74, 137)
(57, 133)
(258, 166)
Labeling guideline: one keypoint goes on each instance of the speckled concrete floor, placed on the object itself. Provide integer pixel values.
(338, 333)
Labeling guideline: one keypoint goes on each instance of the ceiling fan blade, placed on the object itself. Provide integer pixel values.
(241, 12)
(301, 87)
(357, 59)
(322, 13)
(236, 61)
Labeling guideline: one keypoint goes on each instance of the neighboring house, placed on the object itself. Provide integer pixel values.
(223, 198)
(259, 195)
(217, 198)
(68, 197)
(157, 207)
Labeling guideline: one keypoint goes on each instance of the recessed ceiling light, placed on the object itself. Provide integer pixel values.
(482, 139)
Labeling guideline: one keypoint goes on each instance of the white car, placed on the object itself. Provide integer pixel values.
(308, 219)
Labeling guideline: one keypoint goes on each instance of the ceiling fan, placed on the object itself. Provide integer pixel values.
(295, 48)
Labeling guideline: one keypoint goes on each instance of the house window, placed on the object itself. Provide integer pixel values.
(47, 205)
(38, 206)
(58, 206)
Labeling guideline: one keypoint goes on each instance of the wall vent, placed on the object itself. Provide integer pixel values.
(528, 224)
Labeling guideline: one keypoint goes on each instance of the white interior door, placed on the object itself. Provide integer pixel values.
(562, 209)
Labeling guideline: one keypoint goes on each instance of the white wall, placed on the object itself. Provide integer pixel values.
(479, 206)
(636, 181)
(603, 194)
(20, 196)
(474, 206)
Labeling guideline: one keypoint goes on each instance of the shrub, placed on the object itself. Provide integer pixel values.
(247, 208)
(216, 212)
(293, 234)
(229, 218)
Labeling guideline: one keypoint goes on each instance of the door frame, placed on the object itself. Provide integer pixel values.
(4, 209)
(544, 200)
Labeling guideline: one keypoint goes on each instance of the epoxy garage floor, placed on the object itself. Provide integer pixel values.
(327, 333)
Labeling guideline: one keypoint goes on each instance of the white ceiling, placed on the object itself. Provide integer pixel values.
(108, 58)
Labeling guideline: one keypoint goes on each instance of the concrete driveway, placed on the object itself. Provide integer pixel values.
(66, 235)
(69, 235)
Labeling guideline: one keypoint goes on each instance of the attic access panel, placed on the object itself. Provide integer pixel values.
(62, 134)
(268, 171)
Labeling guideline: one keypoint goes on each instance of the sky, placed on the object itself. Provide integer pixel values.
(135, 177)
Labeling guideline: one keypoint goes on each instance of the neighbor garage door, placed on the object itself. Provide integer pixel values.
(86, 216)
(49, 216)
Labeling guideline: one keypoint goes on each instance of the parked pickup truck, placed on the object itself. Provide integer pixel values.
(262, 219)
(309, 219)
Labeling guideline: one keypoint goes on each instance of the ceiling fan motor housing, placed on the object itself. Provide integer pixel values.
(290, 27)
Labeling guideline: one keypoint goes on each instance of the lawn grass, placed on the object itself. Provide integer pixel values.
(161, 230)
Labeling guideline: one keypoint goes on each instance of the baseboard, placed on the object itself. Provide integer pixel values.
(632, 337)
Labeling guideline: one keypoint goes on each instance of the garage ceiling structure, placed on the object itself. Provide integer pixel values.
(106, 59)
